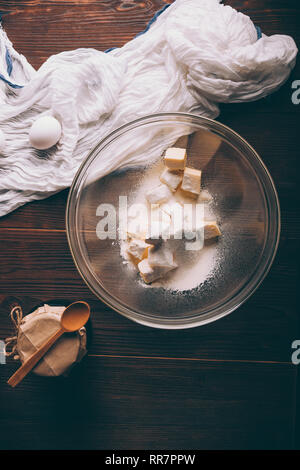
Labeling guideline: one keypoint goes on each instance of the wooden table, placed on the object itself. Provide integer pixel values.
(230, 384)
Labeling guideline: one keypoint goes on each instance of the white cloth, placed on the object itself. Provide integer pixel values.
(196, 54)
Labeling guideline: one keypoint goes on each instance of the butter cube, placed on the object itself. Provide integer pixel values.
(158, 214)
(160, 256)
(159, 227)
(157, 232)
(191, 182)
(211, 230)
(175, 158)
(176, 211)
(150, 274)
(205, 196)
(159, 194)
(171, 209)
(138, 249)
(172, 178)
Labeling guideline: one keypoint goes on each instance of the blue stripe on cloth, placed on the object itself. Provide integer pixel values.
(110, 49)
(13, 85)
(8, 62)
(9, 66)
(259, 33)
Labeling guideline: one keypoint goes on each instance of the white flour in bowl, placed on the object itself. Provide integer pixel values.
(194, 267)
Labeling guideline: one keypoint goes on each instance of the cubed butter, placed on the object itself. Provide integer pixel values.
(157, 232)
(205, 196)
(191, 182)
(175, 158)
(138, 249)
(150, 274)
(211, 230)
(159, 194)
(158, 214)
(160, 256)
(172, 209)
(172, 178)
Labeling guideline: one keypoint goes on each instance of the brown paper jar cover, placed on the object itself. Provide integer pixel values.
(36, 328)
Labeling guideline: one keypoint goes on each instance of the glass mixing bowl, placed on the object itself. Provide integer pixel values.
(244, 201)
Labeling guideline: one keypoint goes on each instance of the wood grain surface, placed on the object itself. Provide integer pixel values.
(228, 385)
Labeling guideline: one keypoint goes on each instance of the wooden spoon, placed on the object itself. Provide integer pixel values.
(73, 318)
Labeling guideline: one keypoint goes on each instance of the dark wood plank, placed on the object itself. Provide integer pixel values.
(47, 214)
(274, 137)
(38, 260)
(151, 404)
(40, 29)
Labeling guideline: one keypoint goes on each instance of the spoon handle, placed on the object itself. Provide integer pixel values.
(34, 359)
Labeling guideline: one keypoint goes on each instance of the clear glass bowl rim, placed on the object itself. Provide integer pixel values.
(270, 249)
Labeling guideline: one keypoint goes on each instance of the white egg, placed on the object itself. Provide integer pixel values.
(2, 140)
(45, 132)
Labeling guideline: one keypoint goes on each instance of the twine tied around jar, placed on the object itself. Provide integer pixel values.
(16, 316)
